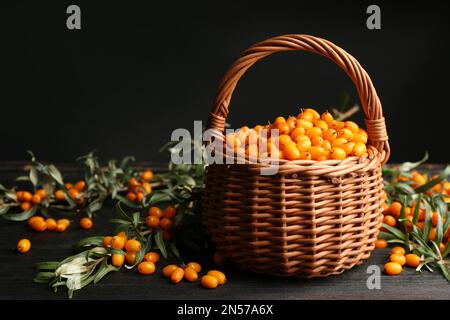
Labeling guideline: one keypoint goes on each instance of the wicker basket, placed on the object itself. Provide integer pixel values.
(314, 218)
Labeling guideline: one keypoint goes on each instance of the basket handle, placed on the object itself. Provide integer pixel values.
(375, 122)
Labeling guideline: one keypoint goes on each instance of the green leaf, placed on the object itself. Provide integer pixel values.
(127, 202)
(408, 166)
(44, 277)
(95, 241)
(55, 174)
(20, 216)
(445, 270)
(394, 231)
(104, 270)
(174, 250)
(417, 209)
(33, 176)
(427, 222)
(116, 251)
(160, 243)
(48, 265)
(4, 209)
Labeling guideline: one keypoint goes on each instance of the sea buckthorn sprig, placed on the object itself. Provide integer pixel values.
(51, 194)
(307, 136)
(416, 215)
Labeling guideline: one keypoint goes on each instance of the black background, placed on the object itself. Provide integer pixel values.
(136, 71)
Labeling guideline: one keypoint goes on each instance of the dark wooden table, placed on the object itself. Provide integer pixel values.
(17, 271)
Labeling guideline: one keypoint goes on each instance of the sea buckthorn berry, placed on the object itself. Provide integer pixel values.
(327, 117)
(51, 224)
(194, 265)
(321, 124)
(412, 260)
(169, 212)
(59, 195)
(165, 224)
(434, 218)
(345, 133)
(41, 193)
(132, 245)
(392, 268)
(306, 116)
(304, 145)
(220, 276)
(291, 152)
(80, 185)
(25, 206)
(147, 187)
(398, 250)
(397, 258)
(395, 208)
(73, 193)
(352, 126)
(291, 122)
(312, 132)
(432, 234)
(86, 223)
(258, 128)
(348, 147)
(219, 259)
(314, 113)
(68, 185)
(61, 227)
(131, 196)
(37, 223)
(209, 282)
(441, 247)
(359, 149)
(152, 257)
(284, 140)
(304, 124)
(330, 135)
(337, 153)
(147, 175)
(26, 196)
(23, 246)
(339, 142)
(359, 138)
(123, 235)
(297, 132)
(139, 196)
(130, 258)
(155, 211)
(168, 270)
(152, 221)
(283, 128)
(177, 275)
(19, 195)
(316, 152)
(381, 244)
(327, 145)
(133, 182)
(146, 267)
(317, 141)
(64, 221)
(117, 259)
(107, 241)
(305, 155)
(190, 274)
(280, 120)
(389, 220)
(117, 242)
(34, 219)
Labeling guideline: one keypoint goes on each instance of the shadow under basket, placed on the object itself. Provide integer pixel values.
(312, 218)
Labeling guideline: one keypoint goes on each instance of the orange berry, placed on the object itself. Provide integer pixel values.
(432, 234)
(412, 260)
(297, 132)
(327, 145)
(194, 265)
(345, 133)
(434, 218)
(152, 257)
(337, 153)
(306, 116)
(165, 224)
(131, 196)
(19, 195)
(398, 250)
(132, 245)
(291, 152)
(155, 211)
(321, 124)
(209, 282)
(395, 208)
(312, 132)
(66, 222)
(359, 138)
(117, 242)
(41, 193)
(291, 122)
(352, 126)
(146, 267)
(86, 223)
(327, 117)
(389, 220)
(26, 196)
(220, 276)
(441, 247)
(169, 212)
(37, 223)
(25, 206)
(147, 175)
(283, 128)
(284, 140)
(330, 135)
(177, 275)
(399, 258)
(348, 147)
(59, 195)
(51, 224)
(152, 221)
(73, 193)
(314, 113)
(139, 197)
(359, 149)
(279, 120)
(147, 187)
(117, 259)
(80, 185)
(190, 274)
(317, 152)
(130, 258)
(339, 142)
(302, 123)
(392, 268)
(317, 141)
(23, 246)
(304, 145)
(133, 182)
(68, 185)
(107, 241)
(380, 244)
(168, 270)
(61, 227)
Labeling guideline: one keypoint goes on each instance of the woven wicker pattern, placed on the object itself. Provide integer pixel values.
(314, 218)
